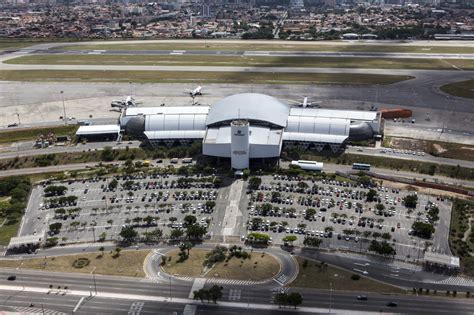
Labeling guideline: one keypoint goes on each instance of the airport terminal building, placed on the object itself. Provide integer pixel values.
(249, 125)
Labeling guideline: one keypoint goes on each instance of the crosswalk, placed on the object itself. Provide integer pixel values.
(460, 281)
(211, 280)
(281, 280)
(36, 310)
(136, 308)
(234, 294)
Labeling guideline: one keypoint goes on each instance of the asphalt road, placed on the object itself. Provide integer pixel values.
(258, 53)
(153, 295)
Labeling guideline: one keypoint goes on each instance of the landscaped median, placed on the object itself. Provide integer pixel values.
(112, 262)
(222, 263)
(319, 275)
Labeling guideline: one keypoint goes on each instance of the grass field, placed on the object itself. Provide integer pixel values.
(7, 231)
(461, 89)
(204, 77)
(391, 163)
(14, 44)
(316, 276)
(9, 136)
(249, 61)
(259, 267)
(128, 263)
(448, 150)
(295, 46)
(461, 236)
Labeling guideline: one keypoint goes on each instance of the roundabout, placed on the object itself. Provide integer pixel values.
(264, 266)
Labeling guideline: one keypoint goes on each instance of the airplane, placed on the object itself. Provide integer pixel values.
(306, 103)
(197, 91)
(129, 101)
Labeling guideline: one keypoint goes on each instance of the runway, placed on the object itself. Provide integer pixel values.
(306, 54)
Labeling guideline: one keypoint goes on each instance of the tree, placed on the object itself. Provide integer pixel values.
(422, 229)
(55, 227)
(312, 241)
(371, 194)
(176, 233)
(258, 238)
(290, 238)
(215, 292)
(107, 154)
(186, 246)
(280, 299)
(128, 234)
(295, 299)
(410, 201)
(254, 182)
(382, 248)
(190, 219)
(195, 231)
(310, 213)
(113, 184)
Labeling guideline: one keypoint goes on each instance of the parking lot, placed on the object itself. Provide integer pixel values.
(98, 208)
(337, 211)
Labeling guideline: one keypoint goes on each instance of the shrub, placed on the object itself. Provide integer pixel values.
(355, 277)
(81, 263)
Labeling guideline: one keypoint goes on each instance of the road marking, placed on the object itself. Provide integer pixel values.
(78, 304)
(361, 271)
(197, 285)
(136, 308)
(281, 279)
(363, 265)
(190, 309)
(234, 294)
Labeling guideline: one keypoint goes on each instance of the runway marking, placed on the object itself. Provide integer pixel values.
(178, 52)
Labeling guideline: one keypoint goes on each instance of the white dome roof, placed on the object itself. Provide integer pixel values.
(251, 106)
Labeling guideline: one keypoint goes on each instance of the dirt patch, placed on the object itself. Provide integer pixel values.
(439, 149)
(128, 263)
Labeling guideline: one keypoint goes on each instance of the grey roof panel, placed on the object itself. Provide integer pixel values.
(252, 106)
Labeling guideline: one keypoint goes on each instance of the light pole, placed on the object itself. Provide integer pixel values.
(64, 108)
(93, 277)
(21, 274)
(131, 87)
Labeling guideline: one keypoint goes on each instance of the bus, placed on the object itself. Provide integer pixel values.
(360, 166)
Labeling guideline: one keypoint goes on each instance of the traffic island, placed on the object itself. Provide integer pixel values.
(319, 275)
(215, 264)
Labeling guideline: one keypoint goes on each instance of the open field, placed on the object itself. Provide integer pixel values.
(128, 263)
(314, 275)
(461, 89)
(437, 148)
(9, 136)
(258, 267)
(388, 163)
(249, 61)
(294, 46)
(69, 158)
(7, 231)
(195, 76)
(461, 236)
